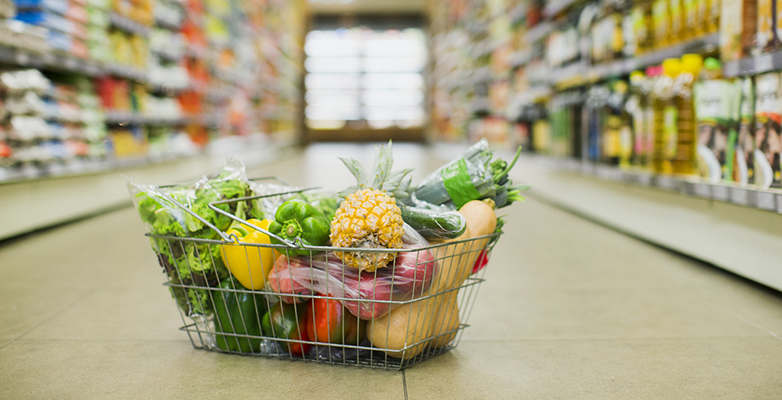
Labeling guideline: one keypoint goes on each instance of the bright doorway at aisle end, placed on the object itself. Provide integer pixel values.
(365, 80)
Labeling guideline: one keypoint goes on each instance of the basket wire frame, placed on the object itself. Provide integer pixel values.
(203, 329)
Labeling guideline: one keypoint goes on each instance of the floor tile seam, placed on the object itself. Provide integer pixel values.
(404, 383)
(755, 324)
(91, 340)
(666, 338)
(54, 314)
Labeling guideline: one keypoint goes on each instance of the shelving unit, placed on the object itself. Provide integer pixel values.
(265, 60)
(540, 79)
(174, 87)
(747, 196)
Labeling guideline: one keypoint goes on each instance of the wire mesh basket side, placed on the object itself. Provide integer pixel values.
(392, 318)
(437, 311)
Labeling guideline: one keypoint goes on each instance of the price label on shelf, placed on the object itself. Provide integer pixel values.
(683, 186)
(779, 203)
(70, 63)
(739, 196)
(720, 192)
(21, 58)
(764, 63)
(644, 179)
(702, 190)
(666, 182)
(765, 200)
(731, 68)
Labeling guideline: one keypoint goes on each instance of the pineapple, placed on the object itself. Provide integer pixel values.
(369, 218)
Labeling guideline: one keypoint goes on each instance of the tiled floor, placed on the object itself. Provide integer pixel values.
(569, 310)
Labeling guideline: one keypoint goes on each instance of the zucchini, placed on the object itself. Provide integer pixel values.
(435, 224)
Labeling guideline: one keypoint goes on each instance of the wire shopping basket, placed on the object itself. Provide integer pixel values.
(305, 304)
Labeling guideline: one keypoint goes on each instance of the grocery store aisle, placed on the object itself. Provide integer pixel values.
(569, 310)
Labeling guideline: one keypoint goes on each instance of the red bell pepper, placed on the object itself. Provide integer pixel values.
(481, 261)
(329, 322)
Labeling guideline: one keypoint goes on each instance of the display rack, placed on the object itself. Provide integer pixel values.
(754, 65)
(583, 73)
(538, 94)
(260, 42)
(762, 199)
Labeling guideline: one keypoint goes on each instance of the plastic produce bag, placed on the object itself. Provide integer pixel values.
(473, 176)
(191, 263)
(408, 277)
(434, 224)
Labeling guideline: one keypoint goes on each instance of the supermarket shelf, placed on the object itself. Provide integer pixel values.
(197, 52)
(165, 89)
(66, 63)
(128, 25)
(482, 48)
(743, 240)
(220, 94)
(520, 58)
(525, 98)
(127, 72)
(480, 75)
(579, 73)
(131, 118)
(167, 56)
(706, 44)
(517, 13)
(753, 65)
(49, 61)
(480, 105)
(72, 192)
(763, 199)
(555, 7)
(540, 31)
(170, 25)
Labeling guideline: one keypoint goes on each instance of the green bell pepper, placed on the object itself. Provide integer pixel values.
(287, 321)
(297, 219)
(238, 313)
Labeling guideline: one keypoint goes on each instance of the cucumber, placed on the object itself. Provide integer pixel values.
(435, 224)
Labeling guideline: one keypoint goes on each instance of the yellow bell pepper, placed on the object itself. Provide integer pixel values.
(250, 265)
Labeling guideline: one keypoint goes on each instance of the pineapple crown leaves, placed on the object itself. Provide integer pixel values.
(396, 182)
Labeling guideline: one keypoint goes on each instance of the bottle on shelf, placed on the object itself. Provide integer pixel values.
(661, 21)
(685, 155)
(676, 31)
(743, 170)
(711, 22)
(737, 34)
(617, 145)
(692, 18)
(636, 107)
(639, 30)
(766, 38)
(665, 117)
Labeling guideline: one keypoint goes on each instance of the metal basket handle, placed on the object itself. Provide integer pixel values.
(198, 217)
(233, 238)
(227, 238)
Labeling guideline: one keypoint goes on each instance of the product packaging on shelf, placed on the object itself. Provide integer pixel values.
(714, 102)
(744, 165)
(768, 143)
(737, 33)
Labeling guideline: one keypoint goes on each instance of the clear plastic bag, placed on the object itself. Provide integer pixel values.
(408, 277)
(194, 263)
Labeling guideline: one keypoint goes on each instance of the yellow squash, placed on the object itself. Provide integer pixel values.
(437, 317)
